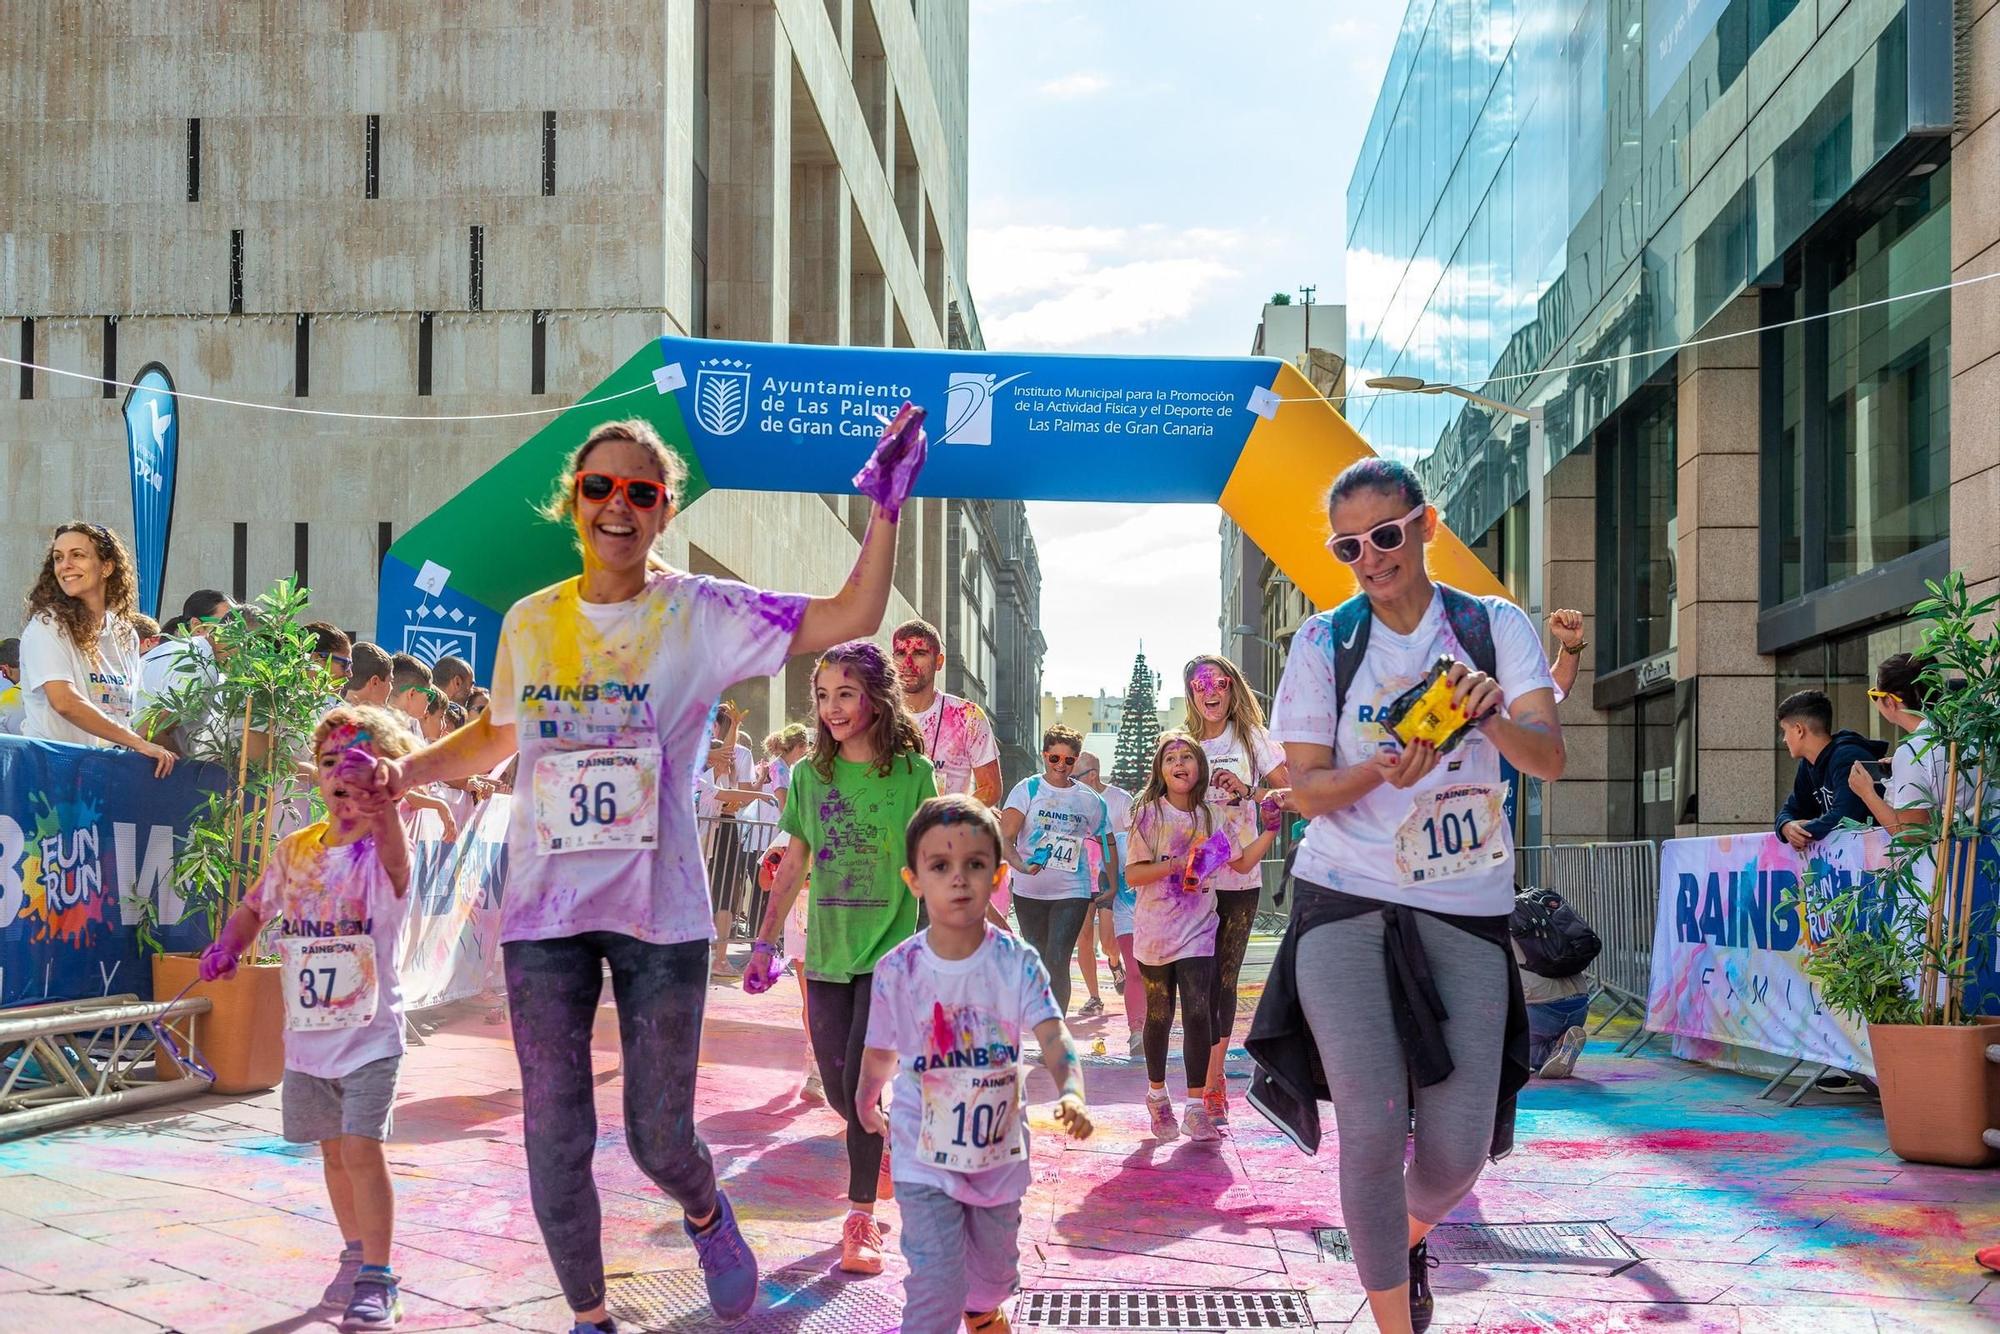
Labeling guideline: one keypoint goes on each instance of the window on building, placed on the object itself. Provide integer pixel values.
(194, 159)
(371, 155)
(548, 152)
(1639, 762)
(302, 342)
(1857, 463)
(236, 272)
(1637, 600)
(239, 562)
(426, 320)
(110, 372)
(1843, 667)
(28, 358)
(538, 353)
(475, 278)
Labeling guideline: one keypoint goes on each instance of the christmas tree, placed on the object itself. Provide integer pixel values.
(1138, 730)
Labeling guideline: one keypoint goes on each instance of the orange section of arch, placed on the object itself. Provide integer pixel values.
(1277, 495)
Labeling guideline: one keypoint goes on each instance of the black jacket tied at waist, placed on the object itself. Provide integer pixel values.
(1289, 1083)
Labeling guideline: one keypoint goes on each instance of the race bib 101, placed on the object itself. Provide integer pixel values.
(972, 1119)
(596, 800)
(330, 982)
(1451, 831)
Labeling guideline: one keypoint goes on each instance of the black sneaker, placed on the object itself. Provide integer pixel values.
(1421, 1303)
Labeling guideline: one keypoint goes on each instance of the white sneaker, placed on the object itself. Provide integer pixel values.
(1161, 1109)
(1200, 1128)
(1563, 1059)
(813, 1091)
(1135, 1046)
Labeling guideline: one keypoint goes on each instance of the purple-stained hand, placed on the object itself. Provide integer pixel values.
(891, 471)
(1210, 857)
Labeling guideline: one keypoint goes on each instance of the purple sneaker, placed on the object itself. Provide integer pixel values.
(727, 1265)
(338, 1292)
(376, 1304)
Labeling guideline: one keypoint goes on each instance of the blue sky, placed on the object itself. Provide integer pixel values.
(1142, 179)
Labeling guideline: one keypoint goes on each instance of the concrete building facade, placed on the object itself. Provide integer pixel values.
(1710, 243)
(426, 212)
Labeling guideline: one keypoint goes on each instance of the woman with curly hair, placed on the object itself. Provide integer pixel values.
(79, 652)
(852, 800)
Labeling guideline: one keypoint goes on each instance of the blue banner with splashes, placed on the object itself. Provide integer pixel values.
(152, 446)
(86, 836)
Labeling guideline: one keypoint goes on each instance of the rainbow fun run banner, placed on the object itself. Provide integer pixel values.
(1729, 947)
(1249, 434)
(88, 836)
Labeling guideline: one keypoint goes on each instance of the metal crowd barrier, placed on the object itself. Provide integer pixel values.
(732, 847)
(1616, 888)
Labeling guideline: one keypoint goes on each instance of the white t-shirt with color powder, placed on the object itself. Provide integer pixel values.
(1251, 762)
(1065, 820)
(636, 677)
(1168, 922)
(974, 1013)
(958, 739)
(312, 892)
(109, 678)
(1443, 845)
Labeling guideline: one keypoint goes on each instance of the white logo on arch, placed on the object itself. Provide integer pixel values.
(968, 407)
(722, 395)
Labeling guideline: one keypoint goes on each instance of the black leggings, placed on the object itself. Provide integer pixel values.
(1194, 978)
(1052, 926)
(1236, 913)
(837, 1014)
(553, 988)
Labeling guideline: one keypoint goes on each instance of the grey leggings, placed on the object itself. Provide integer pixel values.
(1344, 990)
(1052, 926)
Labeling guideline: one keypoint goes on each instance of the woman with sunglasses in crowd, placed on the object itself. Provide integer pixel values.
(1406, 870)
(603, 684)
(1048, 821)
(79, 652)
(1245, 765)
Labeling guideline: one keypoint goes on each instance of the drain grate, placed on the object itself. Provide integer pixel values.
(1083, 1309)
(1587, 1245)
(790, 1301)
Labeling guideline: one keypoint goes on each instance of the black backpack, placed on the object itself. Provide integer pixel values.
(1554, 941)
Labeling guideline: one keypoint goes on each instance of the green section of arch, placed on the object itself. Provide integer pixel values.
(490, 537)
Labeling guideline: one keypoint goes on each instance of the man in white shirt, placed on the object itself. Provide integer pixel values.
(957, 736)
(175, 662)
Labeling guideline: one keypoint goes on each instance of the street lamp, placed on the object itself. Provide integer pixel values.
(1538, 459)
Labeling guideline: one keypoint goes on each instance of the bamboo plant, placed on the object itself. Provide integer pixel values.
(1904, 949)
(252, 715)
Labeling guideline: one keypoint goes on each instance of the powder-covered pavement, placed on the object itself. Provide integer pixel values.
(1748, 1216)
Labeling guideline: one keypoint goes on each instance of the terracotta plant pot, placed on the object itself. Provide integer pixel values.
(243, 1036)
(1939, 1092)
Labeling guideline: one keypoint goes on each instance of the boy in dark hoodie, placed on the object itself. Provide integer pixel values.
(1821, 797)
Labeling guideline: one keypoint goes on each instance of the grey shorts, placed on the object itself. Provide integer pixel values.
(359, 1103)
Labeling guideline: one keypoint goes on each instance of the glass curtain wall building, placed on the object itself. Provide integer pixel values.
(1552, 199)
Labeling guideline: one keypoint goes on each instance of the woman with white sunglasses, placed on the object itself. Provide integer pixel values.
(1397, 946)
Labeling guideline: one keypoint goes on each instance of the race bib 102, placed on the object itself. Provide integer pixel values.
(972, 1119)
(596, 800)
(330, 982)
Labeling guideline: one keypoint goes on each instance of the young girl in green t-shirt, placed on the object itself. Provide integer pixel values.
(851, 801)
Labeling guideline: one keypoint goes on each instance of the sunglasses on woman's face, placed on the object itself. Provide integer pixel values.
(599, 487)
(1059, 761)
(1388, 536)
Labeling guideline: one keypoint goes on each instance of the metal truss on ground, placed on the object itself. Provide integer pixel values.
(75, 1061)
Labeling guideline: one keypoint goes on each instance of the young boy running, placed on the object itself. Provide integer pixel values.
(339, 891)
(949, 1010)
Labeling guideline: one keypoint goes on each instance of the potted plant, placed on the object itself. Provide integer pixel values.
(1902, 953)
(249, 709)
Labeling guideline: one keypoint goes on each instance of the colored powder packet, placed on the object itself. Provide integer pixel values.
(1040, 856)
(1214, 854)
(890, 473)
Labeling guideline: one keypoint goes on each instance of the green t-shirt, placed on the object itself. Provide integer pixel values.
(857, 906)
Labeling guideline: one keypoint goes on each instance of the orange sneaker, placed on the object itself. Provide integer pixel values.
(885, 1185)
(1216, 1100)
(988, 1322)
(1989, 1258)
(861, 1245)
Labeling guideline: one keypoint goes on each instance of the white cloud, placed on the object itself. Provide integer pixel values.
(1065, 287)
(1073, 87)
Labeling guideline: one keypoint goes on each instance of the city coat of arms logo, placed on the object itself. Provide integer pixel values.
(722, 395)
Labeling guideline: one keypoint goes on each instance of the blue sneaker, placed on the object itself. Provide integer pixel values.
(727, 1266)
(376, 1303)
(338, 1292)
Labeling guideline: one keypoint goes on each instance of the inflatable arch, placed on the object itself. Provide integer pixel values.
(1249, 434)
